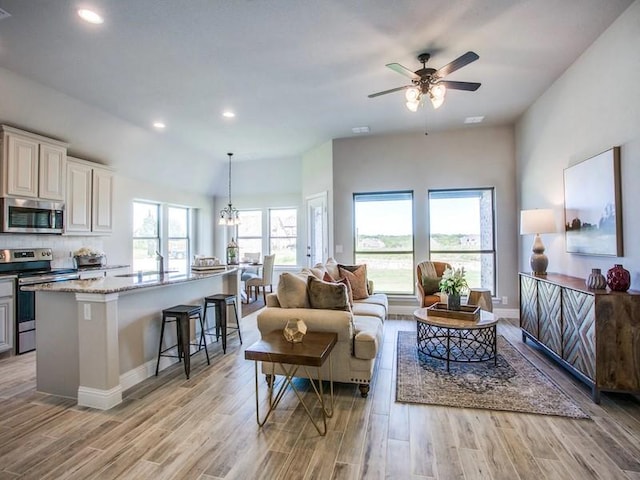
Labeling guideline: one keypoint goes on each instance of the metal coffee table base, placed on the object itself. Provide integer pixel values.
(457, 344)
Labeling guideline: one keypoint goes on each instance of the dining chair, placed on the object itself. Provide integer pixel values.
(255, 281)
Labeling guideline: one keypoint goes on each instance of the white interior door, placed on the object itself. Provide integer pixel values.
(317, 229)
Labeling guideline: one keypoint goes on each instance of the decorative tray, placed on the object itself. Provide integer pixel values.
(466, 312)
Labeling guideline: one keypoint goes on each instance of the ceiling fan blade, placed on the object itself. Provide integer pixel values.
(389, 91)
(396, 67)
(458, 63)
(469, 86)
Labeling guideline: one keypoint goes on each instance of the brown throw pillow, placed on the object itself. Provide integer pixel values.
(357, 276)
(431, 285)
(327, 278)
(332, 267)
(329, 296)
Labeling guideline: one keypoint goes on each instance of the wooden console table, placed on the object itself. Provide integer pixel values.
(595, 334)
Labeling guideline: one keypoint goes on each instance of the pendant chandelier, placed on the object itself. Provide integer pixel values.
(229, 216)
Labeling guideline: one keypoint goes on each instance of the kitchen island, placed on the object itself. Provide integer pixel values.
(98, 337)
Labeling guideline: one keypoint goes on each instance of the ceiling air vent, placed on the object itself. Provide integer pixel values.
(4, 14)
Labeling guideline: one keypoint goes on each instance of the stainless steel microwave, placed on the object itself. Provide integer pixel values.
(22, 215)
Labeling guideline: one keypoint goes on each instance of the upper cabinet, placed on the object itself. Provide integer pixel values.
(89, 201)
(33, 166)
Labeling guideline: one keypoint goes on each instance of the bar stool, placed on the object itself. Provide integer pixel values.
(182, 314)
(220, 302)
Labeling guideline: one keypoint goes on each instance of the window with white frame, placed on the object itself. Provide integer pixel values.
(462, 232)
(146, 235)
(283, 235)
(249, 234)
(178, 234)
(161, 228)
(384, 239)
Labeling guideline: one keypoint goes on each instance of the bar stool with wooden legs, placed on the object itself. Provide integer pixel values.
(220, 303)
(182, 315)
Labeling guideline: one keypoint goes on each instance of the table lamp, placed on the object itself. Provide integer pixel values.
(536, 222)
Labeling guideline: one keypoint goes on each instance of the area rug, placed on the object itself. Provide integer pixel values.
(514, 384)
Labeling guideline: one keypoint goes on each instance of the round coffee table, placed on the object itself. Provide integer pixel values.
(456, 340)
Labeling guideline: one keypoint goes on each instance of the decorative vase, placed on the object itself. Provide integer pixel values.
(618, 278)
(596, 280)
(453, 302)
(232, 253)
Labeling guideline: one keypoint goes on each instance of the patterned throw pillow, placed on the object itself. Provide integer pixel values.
(327, 278)
(325, 295)
(357, 276)
(292, 291)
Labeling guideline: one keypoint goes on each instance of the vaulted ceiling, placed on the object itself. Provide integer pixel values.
(295, 72)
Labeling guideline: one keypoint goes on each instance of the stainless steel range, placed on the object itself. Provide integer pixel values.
(30, 266)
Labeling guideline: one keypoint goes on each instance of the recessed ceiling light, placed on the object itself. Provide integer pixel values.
(159, 125)
(228, 114)
(360, 129)
(477, 119)
(90, 16)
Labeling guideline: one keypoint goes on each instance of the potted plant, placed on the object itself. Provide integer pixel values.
(453, 284)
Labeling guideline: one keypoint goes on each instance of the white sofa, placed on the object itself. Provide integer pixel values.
(359, 334)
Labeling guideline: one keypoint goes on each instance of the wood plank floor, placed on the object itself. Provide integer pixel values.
(205, 428)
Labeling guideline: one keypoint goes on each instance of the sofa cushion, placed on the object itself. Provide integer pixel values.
(326, 295)
(377, 299)
(368, 310)
(357, 276)
(292, 291)
(367, 337)
(318, 271)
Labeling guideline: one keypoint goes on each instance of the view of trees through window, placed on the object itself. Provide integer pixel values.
(461, 226)
(146, 235)
(249, 233)
(178, 239)
(283, 235)
(384, 239)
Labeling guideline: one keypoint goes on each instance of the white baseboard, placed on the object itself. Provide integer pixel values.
(144, 371)
(100, 399)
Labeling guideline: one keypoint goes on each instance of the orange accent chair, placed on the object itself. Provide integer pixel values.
(431, 296)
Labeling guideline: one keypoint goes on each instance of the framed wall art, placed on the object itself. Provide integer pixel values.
(592, 205)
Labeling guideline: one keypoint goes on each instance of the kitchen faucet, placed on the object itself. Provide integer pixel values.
(160, 258)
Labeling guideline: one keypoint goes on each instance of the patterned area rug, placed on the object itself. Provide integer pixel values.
(514, 384)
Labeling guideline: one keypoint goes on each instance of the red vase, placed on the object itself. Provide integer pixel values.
(618, 279)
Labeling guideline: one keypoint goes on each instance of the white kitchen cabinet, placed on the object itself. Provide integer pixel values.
(6, 314)
(33, 166)
(89, 202)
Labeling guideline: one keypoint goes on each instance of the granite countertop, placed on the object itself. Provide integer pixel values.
(124, 283)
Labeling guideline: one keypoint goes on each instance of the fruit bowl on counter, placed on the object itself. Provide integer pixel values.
(86, 257)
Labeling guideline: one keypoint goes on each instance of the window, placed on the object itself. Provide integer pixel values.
(178, 239)
(249, 233)
(461, 226)
(384, 239)
(146, 235)
(283, 235)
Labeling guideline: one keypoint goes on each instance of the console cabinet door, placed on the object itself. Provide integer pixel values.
(529, 305)
(550, 320)
(579, 331)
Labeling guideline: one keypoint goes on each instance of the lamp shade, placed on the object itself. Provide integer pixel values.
(537, 221)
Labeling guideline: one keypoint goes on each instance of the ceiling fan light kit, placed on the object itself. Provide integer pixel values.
(427, 82)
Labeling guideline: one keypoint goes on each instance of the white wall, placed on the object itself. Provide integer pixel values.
(467, 158)
(593, 106)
